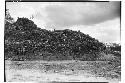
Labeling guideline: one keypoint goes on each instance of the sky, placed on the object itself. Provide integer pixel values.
(100, 20)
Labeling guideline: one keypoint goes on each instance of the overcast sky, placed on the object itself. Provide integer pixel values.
(98, 19)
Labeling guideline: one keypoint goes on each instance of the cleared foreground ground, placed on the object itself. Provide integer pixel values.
(62, 71)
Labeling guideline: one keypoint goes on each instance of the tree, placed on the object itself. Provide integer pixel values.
(8, 17)
(25, 24)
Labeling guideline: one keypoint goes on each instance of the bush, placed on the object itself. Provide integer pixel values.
(23, 38)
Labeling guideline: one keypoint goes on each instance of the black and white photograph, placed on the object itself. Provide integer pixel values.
(62, 41)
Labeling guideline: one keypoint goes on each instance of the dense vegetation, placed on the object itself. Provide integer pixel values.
(25, 41)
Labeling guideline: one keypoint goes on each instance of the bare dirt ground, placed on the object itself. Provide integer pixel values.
(62, 71)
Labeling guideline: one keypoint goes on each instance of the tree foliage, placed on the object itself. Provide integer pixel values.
(8, 16)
